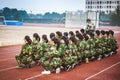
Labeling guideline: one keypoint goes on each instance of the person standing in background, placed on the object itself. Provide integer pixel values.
(90, 26)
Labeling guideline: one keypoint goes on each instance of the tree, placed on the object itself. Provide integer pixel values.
(7, 13)
(23, 14)
(115, 17)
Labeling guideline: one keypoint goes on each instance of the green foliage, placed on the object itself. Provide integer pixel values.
(13, 14)
(115, 17)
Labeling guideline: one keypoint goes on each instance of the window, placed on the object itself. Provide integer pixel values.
(110, 2)
(109, 6)
(118, 2)
(97, 6)
(97, 2)
(88, 2)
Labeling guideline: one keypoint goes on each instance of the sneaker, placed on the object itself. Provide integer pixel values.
(68, 68)
(61, 67)
(99, 58)
(106, 55)
(73, 65)
(111, 53)
(46, 72)
(58, 70)
(19, 66)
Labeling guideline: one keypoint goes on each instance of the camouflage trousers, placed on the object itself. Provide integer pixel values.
(23, 59)
(50, 64)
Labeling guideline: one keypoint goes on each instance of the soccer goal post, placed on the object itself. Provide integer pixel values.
(2, 20)
(77, 19)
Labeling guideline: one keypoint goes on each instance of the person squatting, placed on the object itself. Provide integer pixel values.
(65, 51)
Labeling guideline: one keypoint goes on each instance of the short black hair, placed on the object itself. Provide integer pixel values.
(27, 38)
(102, 32)
(71, 33)
(88, 20)
(73, 39)
(79, 36)
(59, 33)
(82, 31)
(107, 32)
(52, 35)
(36, 36)
(111, 32)
(45, 38)
(65, 33)
(97, 32)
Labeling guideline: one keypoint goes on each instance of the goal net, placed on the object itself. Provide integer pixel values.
(77, 19)
(2, 21)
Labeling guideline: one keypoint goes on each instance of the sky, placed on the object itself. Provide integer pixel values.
(42, 6)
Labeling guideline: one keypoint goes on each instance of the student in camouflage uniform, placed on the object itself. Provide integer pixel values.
(113, 43)
(72, 51)
(103, 43)
(79, 38)
(52, 57)
(36, 48)
(90, 26)
(63, 51)
(58, 35)
(85, 48)
(44, 45)
(91, 43)
(98, 46)
(108, 47)
(24, 58)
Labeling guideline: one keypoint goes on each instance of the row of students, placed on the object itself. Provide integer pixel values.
(65, 51)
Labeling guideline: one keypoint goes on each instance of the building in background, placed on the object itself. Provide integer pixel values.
(102, 5)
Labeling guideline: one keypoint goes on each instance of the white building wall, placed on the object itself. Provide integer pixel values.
(102, 5)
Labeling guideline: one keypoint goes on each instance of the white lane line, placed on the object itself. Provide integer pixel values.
(102, 71)
(31, 78)
(9, 52)
(7, 69)
(6, 59)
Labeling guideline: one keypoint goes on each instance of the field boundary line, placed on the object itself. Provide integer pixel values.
(102, 70)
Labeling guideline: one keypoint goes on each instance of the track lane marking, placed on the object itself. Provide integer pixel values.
(102, 70)
(7, 69)
(30, 78)
(9, 52)
(6, 59)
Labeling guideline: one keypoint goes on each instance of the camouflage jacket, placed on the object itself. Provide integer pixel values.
(26, 50)
(36, 47)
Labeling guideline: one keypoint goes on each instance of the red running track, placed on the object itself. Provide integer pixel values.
(105, 69)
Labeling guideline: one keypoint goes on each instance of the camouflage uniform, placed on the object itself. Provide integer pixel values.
(98, 47)
(91, 47)
(25, 56)
(113, 44)
(71, 58)
(63, 51)
(44, 49)
(36, 50)
(81, 49)
(51, 60)
(90, 27)
(104, 45)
